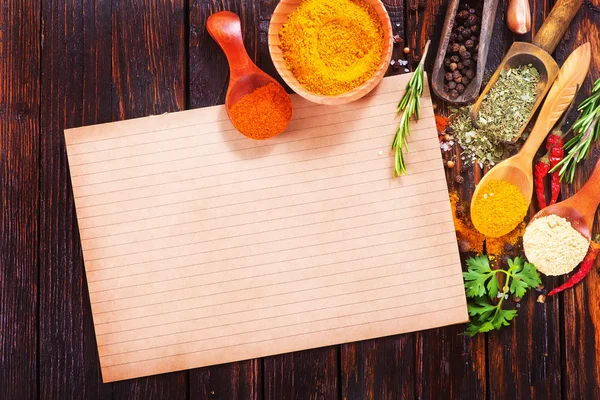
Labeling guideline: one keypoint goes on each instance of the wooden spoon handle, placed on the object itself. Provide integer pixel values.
(570, 77)
(556, 24)
(226, 29)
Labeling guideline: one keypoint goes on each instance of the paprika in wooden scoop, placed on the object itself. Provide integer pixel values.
(257, 105)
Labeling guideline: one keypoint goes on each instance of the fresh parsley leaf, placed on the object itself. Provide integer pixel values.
(478, 272)
(482, 286)
(524, 276)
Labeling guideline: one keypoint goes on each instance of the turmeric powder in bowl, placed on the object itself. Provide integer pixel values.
(332, 46)
(498, 208)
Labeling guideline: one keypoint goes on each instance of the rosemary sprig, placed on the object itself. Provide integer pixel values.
(409, 105)
(586, 131)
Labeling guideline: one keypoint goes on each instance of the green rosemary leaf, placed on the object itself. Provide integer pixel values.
(409, 106)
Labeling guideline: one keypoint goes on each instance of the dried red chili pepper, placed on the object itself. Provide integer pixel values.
(542, 166)
(584, 268)
(556, 153)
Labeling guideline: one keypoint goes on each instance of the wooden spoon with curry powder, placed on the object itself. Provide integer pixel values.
(518, 169)
(244, 76)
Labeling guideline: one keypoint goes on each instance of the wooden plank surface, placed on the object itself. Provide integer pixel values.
(149, 78)
(72, 63)
(209, 77)
(19, 197)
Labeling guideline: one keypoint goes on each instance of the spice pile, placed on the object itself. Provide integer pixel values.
(262, 114)
(471, 240)
(332, 46)
(503, 112)
(553, 245)
(498, 208)
(461, 55)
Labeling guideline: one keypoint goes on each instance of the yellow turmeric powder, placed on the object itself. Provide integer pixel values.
(498, 208)
(475, 240)
(332, 46)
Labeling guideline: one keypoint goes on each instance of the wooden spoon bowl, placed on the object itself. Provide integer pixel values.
(280, 17)
(518, 168)
(580, 209)
(244, 77)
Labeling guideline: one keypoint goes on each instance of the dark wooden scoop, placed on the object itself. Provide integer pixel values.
(244, 76)
(580, 209)
(537, 53)
(488, 15)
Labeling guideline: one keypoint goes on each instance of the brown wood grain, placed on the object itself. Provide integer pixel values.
(72, 63)
(19, 197)
(580, 322)
(524, 361)
(148, 71)
(309, 374)
(448, 364)
(73, 42)
(209, 78)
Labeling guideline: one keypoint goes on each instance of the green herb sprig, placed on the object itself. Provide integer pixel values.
(409, 105)
(482, 287)
(586, 131)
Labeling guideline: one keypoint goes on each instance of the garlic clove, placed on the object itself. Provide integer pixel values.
(518, 16)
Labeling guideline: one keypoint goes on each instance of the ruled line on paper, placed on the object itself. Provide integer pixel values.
(362, 150)
(290, 336)
(237, 138)
(191, 221)
(266, 253)
(106, 354)
(386, 179)
(259, 265)
(159, 335)
(132, 307)
(171, 235)
(75, 164)
(202, 246)
(118, 135)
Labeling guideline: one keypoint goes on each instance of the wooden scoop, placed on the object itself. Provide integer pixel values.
(537, 54)
(244, 76)
(518, 168)
(580, 209)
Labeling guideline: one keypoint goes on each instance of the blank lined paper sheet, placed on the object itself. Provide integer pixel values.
(204, 247)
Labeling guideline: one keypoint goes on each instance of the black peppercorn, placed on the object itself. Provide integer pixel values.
(466, 55)
(472, 19)
(464, 14)
(449, 76)
(469, 74)
(447, 61)
(469, 44)
(467, 63)
(460, 66)
(452, 85)
(475, 57)
(455, 59)
(462, 50)
(453, 94)
(474, 38)
(465, 80)
(455, 47)
(460, 87)
(475, 28)
(453, 36)
(452, 66)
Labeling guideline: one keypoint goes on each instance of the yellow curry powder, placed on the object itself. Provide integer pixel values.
(332, 46)
(498, 208)
(465, 231)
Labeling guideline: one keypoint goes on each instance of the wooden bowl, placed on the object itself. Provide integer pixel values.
(280, 17)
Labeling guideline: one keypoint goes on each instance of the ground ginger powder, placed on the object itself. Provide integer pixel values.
(332, 46)
(553, 245)
(498, 208)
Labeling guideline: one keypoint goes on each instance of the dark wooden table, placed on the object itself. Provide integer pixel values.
(67, 63)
